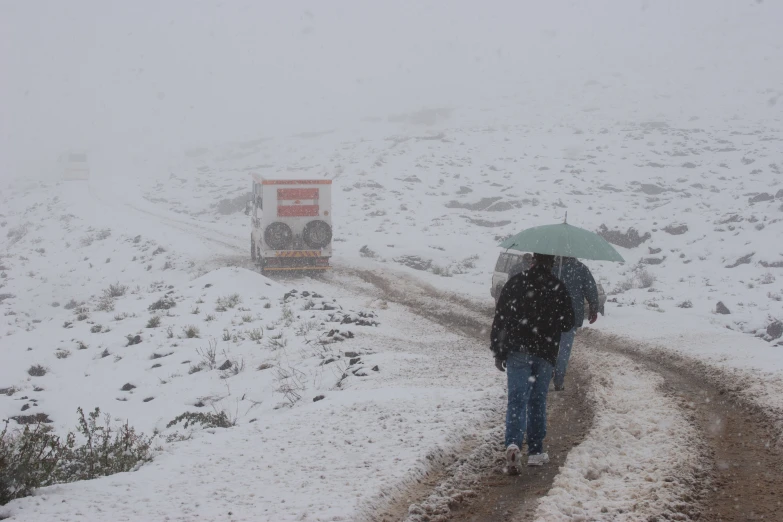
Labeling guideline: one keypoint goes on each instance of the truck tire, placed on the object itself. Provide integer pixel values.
(317, 234)
(278, 236)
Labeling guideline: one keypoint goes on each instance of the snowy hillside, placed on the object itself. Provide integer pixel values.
(135, 294)
(113, 318)
(705, 200)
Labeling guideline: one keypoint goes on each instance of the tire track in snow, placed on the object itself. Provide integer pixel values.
(496, 496)
(642, 460)
(194, 229)
(741, 456)
(747, 465)
(471, 486)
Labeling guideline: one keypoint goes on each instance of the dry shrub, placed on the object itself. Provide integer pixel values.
(35, 457)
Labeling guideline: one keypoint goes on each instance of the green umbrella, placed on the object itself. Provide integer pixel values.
(563, 240)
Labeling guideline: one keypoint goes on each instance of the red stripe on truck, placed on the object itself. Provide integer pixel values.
(298, 210)
(296, 194)
(295, 181)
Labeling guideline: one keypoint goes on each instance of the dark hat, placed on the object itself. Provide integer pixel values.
(544, 259)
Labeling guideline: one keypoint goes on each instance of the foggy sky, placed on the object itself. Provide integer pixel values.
(115, 74)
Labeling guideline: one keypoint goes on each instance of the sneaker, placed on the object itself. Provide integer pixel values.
(512, 459)
(559, 388)
(538, 460)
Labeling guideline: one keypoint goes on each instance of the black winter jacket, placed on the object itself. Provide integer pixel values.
(533, 310)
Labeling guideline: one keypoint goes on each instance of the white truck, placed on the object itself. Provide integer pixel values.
(74, 165)
(291, 224)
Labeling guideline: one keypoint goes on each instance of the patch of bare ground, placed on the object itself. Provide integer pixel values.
(501, 497)
(470, 484)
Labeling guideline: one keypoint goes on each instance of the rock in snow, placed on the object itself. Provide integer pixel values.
(721, 308)
(775, 330)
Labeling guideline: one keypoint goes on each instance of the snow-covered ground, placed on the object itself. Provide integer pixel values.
(705, 197)
(639, 461)
(397, 389)
(755, 365)
(334, 394)
(708, 193)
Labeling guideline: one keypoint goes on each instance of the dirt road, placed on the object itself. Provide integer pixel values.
(746, 468)
(496, 496)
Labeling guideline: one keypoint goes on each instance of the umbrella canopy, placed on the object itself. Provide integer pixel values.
(563, 240)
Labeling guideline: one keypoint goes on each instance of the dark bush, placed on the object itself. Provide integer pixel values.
(28, 460)
(115, 290)
(676, 229)
(37, 418)
(207, 420)
(108, 449)
(191, 332)
(36, 370)
(744, 260)
(164, 303)
(35, 457)
(629, 239)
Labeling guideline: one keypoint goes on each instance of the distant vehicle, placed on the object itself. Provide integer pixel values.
(291, 224)
(74, 165)
(507, 260)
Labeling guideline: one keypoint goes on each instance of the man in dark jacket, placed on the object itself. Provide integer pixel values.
(533, 310)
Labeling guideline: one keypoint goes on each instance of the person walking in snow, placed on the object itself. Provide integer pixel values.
(580, 285)
(533, 310)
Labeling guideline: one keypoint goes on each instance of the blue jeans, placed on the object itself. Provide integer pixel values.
(528, 384)
(566, 343)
